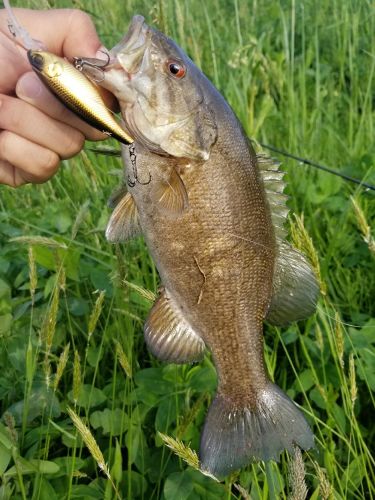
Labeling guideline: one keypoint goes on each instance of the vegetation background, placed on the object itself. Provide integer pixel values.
(300, 76)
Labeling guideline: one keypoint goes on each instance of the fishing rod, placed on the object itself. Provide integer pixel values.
(116, 152)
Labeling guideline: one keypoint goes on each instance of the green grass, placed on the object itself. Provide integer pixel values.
(300, 76)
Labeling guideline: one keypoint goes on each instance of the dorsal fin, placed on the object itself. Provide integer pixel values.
(274, 187)
(295, 287)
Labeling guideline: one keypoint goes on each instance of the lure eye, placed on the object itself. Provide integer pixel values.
(176, 69)
(54, 69)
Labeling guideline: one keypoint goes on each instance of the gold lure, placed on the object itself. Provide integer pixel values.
(74, 90)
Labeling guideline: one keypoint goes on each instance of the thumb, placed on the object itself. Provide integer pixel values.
(63, 31)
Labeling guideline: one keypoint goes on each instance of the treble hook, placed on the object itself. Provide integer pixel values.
(92, 62)
(133, 161)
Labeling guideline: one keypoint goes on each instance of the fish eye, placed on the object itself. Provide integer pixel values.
(176, 69)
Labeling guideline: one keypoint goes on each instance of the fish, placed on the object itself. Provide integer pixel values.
(212, 213)
(76, 92)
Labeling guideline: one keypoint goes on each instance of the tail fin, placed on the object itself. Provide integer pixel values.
(233, 437)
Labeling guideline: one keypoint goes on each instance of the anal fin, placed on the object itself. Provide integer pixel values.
(123, 223)
(169, 336)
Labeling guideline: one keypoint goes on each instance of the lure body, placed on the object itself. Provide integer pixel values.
(77, 92)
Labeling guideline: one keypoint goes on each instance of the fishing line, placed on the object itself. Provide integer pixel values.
(365, 185)
(319, 166)
(339, 320)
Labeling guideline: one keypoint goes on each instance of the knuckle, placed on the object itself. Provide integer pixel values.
(5, 137)
(81, 19)
(11, 110)
(51, 164)
(74, 144)
(18, 179)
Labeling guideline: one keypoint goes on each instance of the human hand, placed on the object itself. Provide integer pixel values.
(36, 130)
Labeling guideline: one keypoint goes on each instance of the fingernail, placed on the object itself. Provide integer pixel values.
(29, 86)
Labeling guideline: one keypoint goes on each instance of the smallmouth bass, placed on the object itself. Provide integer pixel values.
(212, 215)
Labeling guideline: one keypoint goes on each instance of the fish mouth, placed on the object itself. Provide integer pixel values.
(36, 60)
(128, 54)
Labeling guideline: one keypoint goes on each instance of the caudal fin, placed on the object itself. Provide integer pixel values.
(234, 437)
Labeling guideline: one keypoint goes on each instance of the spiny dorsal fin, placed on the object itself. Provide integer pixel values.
(295, 287)
(274, 187)
(123, 223)
(169, 336)
(171, 195)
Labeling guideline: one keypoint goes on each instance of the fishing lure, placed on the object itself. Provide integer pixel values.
(67, 83)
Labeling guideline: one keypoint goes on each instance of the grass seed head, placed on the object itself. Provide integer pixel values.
(123, 359)
(89, 441)
(352, 380)
(39, 240)
(49, 325)
(181, 450)
(32, 273)
(63, 359)
(80, 218)
(339, 339)
(77, 378)
(325, 487)
(96, 313)
(363, 225)
(303, 242)
(143, 292)
(297, 475)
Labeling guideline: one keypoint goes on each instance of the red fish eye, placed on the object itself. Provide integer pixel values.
(176, 69)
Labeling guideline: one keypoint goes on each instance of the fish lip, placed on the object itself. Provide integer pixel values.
(128, 54)
(134, 32)
(35, 59)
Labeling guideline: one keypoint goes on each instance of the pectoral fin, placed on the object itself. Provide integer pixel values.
(123, 223)
(171, 195)
(169, 336)
(295, 287)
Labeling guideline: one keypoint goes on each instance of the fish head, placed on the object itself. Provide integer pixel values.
(160, 92)
(45, 63)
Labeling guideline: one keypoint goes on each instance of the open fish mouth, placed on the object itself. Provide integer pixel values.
(130, 51)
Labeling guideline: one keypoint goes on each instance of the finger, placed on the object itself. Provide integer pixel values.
(13, 64)
(27, 121)
(32, 90)
(33, 163)
(62, 31)
(12, 176)
(7, 174)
